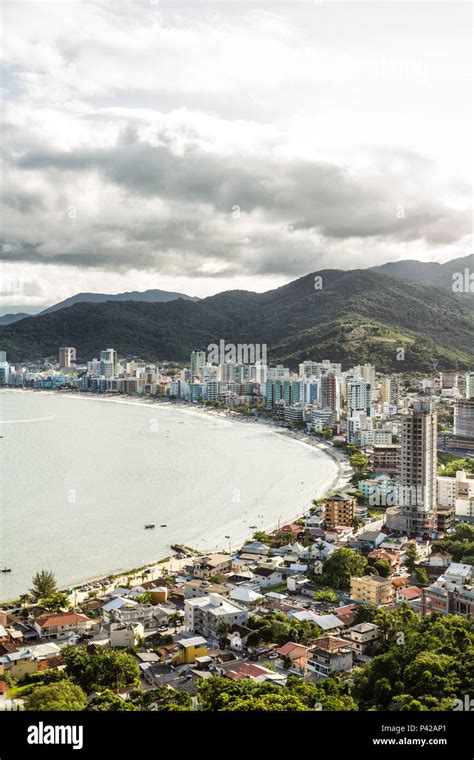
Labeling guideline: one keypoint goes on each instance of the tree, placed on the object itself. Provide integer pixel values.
(107, 701)
(357, 521)
(103, 669)
(325, 595)
(411, 558)
(63, 695)
(175, 619)
(160, 698)
(359, 462)
(145, 598)
(56, 602)
(365, 613)
(420, 575)
(383, 568)
(44, 584)
(281, 702)
(341, 566)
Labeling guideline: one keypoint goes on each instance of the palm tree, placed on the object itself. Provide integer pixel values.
(44, 584)
(385, 623)
(174, 619)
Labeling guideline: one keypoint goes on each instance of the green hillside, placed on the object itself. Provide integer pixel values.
(350, 316)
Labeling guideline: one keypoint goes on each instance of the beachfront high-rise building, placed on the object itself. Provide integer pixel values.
(67, 355)
(198, 361)
(278, 373)
(388, 390)
(330, 392)
(359, 397)
(108, 362)
(464, 418)
(365, 372)
(418, 468)
(4, 368)
(469, 385)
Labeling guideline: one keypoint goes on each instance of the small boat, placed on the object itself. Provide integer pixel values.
(164, 525)
(6, 570)
(149, 525)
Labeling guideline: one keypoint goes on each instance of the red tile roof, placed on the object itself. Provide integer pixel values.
(330, 643)
(61, 618)
(244, 670)
(286, 649)
(410, 592)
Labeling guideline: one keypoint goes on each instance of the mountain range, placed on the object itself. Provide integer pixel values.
(149, 296)
(348, 316)
(427, 272)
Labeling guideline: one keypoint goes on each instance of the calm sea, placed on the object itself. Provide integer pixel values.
(82, 475)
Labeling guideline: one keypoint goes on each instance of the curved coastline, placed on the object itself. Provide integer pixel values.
(297, 437)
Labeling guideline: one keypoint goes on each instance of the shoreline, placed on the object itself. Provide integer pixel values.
(172, 562)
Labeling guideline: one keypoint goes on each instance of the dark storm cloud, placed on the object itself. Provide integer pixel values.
(276, 199)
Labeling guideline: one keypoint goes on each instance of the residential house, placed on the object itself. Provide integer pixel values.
(410, 594)
(125, 634)
(295, 583)
(241, 670)
(371, 539)
(237, 636)
(346, 613)
(213, 564)
(361, 636)
(392, 558)
(60, 625)
(189, 649)
(330, 654)
(245, 595)
(30, 660)
(267, 576)
(198, 587)
(440, 559)
(295, 657)
(255, 547)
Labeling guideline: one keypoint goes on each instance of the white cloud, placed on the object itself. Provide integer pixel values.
(133, 130)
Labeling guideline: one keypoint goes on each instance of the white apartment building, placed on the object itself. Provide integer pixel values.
(205, 614)
(125, 634)
(450, 490)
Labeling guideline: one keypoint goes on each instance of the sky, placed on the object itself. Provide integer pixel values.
(201, 147)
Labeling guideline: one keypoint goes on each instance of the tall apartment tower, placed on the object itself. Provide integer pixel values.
(108, 360)
(469, 385)
(198, 361)
(67, 355)
(330, 396)
(464, 418)
(418, 468)
(366, 372)
(359, 397)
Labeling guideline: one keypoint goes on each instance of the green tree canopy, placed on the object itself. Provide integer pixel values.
(103, 669)
(44, 584)
(341, 566)
(63, 695)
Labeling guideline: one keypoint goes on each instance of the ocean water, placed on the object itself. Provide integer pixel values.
(81, 475)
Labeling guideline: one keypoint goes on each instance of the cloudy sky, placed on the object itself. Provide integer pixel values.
(199, 146)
